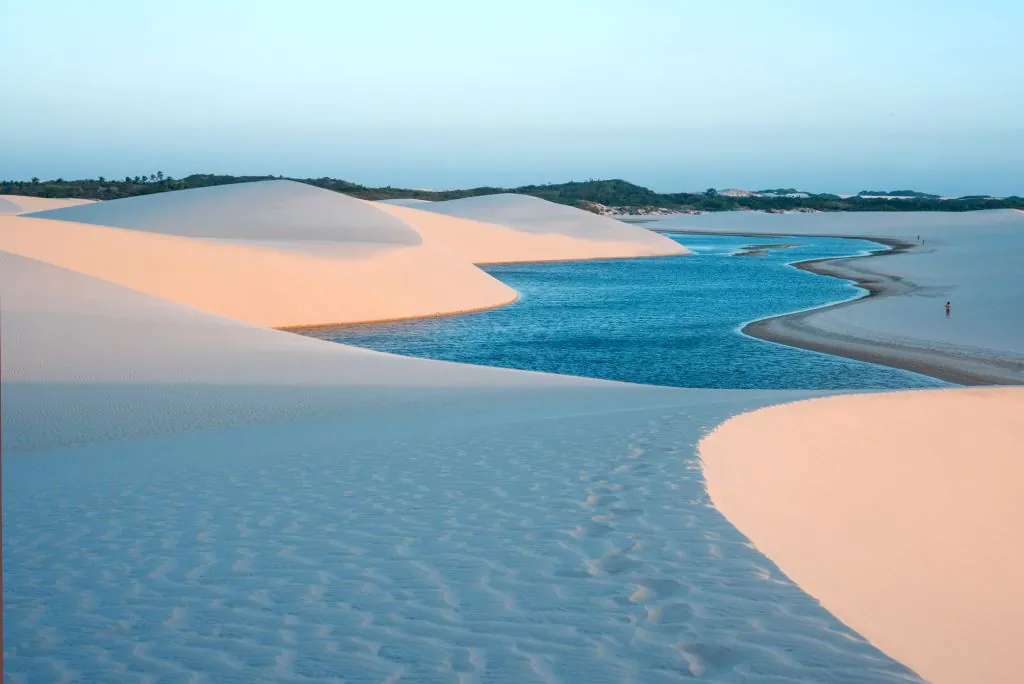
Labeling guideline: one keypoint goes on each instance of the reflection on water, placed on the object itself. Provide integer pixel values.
(664, 321)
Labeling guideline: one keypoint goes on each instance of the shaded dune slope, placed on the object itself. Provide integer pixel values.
(278, 210)
(87, 360)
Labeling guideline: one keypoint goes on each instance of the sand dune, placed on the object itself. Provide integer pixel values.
(286, 254)
(20, 204)
(258, 506)
(258, 501)
(264, 210)
(406, 202)
(274, 284)
(488, 243)
(533, 230)
(271, 253)
(900, 512)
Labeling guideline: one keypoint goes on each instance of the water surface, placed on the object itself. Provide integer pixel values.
(664, 321)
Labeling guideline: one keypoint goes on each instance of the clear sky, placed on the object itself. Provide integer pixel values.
(829, 95)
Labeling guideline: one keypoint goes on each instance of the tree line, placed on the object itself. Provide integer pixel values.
(584, 194)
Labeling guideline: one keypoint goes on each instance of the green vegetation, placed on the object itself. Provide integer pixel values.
(588, 194)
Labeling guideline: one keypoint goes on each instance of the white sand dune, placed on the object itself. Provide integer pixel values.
(271, 283)
(506, 227)
(249, 504)
(272, 253)
(277, 210)
(901, 512)
(11, 205)
(64, 328)
(489, 243)
(246, 503)
(286, 254)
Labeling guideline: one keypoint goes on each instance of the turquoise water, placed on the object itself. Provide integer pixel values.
(663, 321)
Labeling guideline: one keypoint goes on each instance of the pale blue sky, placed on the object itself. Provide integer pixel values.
(827, 96)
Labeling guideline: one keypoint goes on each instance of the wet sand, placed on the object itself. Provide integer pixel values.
(799, 329)
(969, 259)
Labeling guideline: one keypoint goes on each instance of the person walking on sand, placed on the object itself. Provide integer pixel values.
(949, 308)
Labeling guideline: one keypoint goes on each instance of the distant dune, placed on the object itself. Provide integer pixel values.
(405, 202)
(286, 254)
(274, 253)
(570, 238)
(595, 236)
(901, 512)
(277, 210)
(347, 283)
(18, 204)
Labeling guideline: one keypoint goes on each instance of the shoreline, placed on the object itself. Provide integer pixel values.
(301, 329)
(963, 367)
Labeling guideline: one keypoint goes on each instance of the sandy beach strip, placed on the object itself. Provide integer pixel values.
(968, 258)
(21, 204)
(900, 512)
(960, 366)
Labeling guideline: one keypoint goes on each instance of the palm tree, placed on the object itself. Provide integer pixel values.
(160, 176)
(35, 180)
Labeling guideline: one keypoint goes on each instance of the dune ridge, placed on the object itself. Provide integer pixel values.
(257, 505)
(531, 216)
(11, 205)
(482, 242)
(137, 357)
(900, 512)
(285, 254)
(340, 283)
(262, 210)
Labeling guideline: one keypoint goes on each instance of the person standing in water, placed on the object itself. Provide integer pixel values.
(949, 308)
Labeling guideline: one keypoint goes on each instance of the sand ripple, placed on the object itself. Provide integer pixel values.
(585, 551)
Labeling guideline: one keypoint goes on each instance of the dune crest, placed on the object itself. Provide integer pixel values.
(900, 512)
(532, 230)
(263, 285)
(262, 210)
(286, 254)
(490, 243)
(11, 205)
